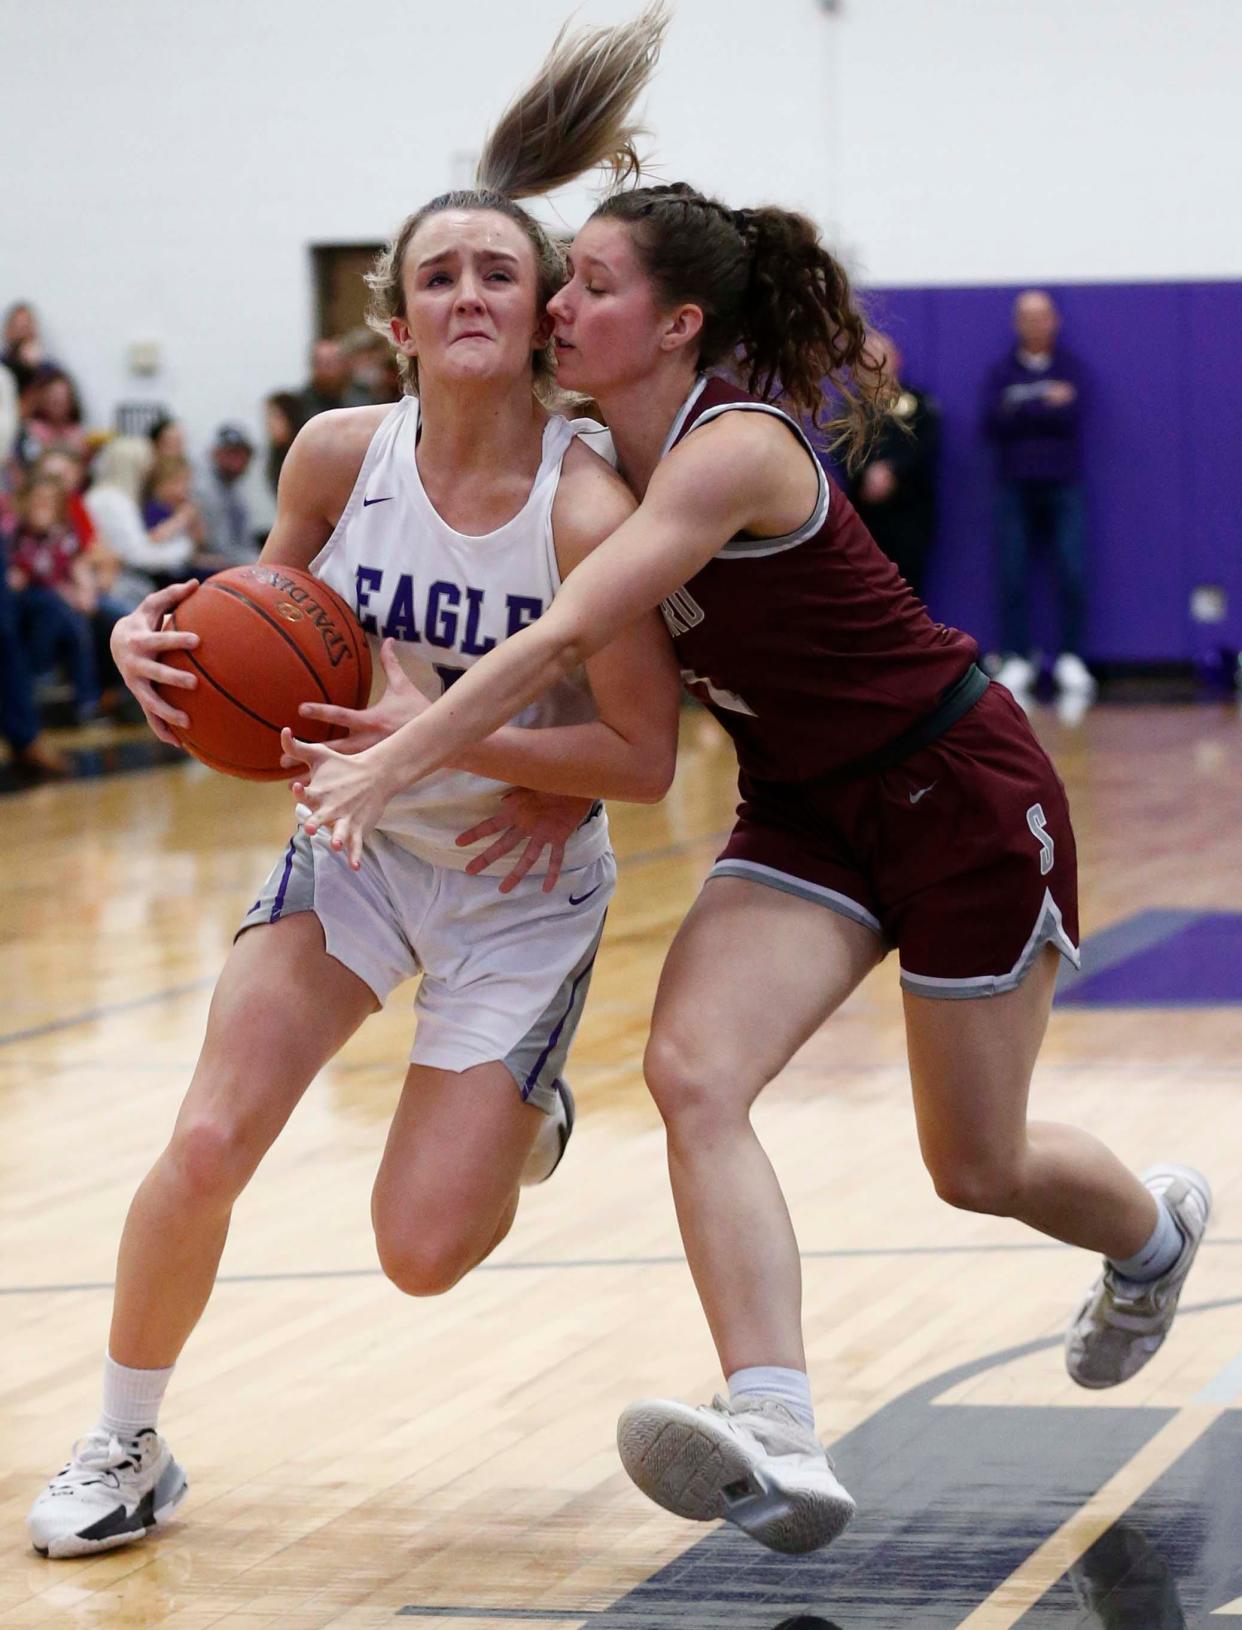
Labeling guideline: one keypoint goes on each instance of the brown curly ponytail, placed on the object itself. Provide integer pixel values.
(777, 308)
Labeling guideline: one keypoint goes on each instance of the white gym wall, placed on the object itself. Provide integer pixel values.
(167, 167)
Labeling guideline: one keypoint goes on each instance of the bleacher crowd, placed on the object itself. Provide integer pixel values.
(92, 517)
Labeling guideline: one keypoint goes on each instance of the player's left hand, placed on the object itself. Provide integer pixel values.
(546, 820)
(346, 793)
(402, 701)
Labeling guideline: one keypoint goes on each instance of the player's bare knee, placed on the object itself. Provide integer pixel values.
(689, 1087)
(991, 1186)
(212, 1159)
(425, 1262)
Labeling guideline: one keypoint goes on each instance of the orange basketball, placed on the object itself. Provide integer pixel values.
(270, 638)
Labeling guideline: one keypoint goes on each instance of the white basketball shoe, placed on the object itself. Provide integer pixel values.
(1071, 675)
(1016, 674)
(551, 1140)
(752, 1463)
(112, 1491)
(1121, 1324)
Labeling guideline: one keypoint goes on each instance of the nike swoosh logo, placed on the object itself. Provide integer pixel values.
(922, 792)
(577, 899)
(387, 500)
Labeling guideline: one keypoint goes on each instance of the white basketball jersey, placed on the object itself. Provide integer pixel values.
(447, 599)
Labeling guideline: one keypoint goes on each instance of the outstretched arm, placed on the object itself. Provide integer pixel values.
(726, 478)
(628, 750)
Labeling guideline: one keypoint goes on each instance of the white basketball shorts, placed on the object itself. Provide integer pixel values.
(505, 976)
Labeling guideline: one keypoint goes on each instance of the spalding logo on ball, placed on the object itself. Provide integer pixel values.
(270, 638)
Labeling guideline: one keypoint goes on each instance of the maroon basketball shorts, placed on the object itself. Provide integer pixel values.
(962, 856)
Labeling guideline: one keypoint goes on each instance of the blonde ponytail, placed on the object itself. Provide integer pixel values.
(573, 117)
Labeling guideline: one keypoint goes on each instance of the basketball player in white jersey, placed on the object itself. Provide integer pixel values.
(449, 520)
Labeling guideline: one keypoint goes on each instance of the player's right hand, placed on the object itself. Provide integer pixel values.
(138, 642)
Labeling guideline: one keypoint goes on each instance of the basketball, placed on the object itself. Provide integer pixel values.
(270, 638)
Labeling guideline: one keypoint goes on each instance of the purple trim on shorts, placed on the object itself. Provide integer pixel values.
(529, 1085)
(278, 905)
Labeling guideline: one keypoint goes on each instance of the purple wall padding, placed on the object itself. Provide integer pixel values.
(1164, 455)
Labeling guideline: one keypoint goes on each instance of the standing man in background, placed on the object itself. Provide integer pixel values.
(221, 499)
(1033, 416)
(329, 381)
(894, 489)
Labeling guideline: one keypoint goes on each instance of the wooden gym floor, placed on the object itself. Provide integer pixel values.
(356, 1458)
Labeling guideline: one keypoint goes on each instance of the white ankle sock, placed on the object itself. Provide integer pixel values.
(791, 1387)
(1158, 1255)
(131, 1398)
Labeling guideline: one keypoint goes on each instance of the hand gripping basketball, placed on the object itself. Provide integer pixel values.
(344, 793)
(270, 637)
(140, 644)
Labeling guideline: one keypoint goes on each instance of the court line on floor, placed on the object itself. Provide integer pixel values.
(548, 1615)
(679, 1593)
(1030, 1582)
(643, 857)
(108, 1010)
(844, 1253)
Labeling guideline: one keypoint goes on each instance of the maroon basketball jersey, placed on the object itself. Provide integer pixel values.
(810, 649)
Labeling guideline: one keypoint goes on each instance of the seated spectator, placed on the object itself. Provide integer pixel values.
(23, 354)
(894, 491)
(51, 416)
(167, 437)
(327, 384)
(63, 463)
(281, 416)
(168, 512)
(113, 502)
(228, 533)
(8, 415)
(54, 590)
(20, 323)
(374, 377)
(19, 720)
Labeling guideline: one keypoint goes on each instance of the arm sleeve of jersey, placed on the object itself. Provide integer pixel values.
(597, 437)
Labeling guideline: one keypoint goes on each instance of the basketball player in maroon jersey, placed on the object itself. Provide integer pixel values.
(891, 799)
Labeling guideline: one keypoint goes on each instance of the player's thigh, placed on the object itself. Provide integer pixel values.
(988, 902)
(971, 1062)
(452, 1162)
(282, 1008)
(752, 973)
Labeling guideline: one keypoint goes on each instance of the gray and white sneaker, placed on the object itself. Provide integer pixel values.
(112, 1491)
(752, 1463)
(1121, 1324)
